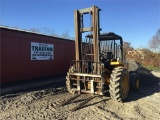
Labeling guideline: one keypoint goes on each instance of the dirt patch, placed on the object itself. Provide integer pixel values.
(42, 103)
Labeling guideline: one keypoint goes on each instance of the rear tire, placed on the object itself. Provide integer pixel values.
(134, 82)
(119, 84)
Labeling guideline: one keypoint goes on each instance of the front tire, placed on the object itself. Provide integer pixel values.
(68, 83)
(119, 84)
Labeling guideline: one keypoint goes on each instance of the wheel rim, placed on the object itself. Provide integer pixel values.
(137, 83)
(125, 85)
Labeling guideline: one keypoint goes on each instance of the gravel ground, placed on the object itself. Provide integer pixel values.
(41, 104)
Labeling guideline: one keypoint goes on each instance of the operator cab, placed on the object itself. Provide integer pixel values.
(110, 49)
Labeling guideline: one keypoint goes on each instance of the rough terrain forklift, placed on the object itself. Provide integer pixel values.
(99, 66)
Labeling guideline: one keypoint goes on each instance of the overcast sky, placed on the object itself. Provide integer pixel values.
(135, 20)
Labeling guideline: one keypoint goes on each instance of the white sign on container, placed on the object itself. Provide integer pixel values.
(42, 51)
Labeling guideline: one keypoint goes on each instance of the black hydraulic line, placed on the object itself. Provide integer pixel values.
(119, 51)
(89, 48)
(84, 51)
(115, 50)
(90, 40)
(82, 24)
(121, 42)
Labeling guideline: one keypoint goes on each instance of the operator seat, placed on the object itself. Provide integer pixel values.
(109, 57)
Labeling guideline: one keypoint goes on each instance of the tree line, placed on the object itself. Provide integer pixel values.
(51, 32)
(147, 56)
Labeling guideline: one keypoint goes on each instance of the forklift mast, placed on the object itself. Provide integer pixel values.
(80, 29)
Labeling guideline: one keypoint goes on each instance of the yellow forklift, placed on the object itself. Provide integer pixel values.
(100, 66)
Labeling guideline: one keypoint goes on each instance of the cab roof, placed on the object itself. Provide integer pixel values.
(107, 36)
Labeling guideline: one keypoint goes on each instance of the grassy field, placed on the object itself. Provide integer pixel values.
(153, 68)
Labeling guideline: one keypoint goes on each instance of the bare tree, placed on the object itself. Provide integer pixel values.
(46, 31)
(65, 35)
(127, 47)
(154, 43)
(54, 34)
(51, 32)
(35, 30)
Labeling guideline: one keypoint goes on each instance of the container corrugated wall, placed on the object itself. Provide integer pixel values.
(16, 63)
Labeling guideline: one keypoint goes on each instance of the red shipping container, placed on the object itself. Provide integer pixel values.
(17, 47)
